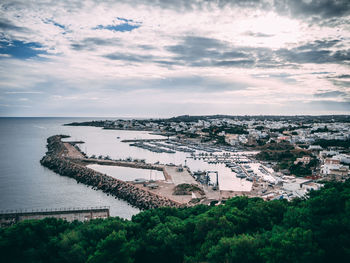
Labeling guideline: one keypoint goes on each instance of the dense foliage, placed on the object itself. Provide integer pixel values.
(337, 143)
(280, 155)
(303, 170)
(244, 229)
(284, 154)
(325, 129)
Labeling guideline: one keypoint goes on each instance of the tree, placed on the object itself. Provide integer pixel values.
(293, 245)
(114, 248)
(240, 249)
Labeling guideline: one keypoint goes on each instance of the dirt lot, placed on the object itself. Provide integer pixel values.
(72, 152)
(166, 189)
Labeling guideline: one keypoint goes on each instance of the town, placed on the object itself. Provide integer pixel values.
(275, 157)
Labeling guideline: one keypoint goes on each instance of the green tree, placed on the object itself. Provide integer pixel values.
(293, 245)
(240, 249)
(114, 249)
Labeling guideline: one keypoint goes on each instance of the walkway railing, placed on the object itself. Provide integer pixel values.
(60, 209)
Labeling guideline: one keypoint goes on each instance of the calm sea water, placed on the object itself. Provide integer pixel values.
(25, 184)
(128, 173)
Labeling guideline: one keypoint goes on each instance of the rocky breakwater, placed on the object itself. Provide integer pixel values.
(56, 160)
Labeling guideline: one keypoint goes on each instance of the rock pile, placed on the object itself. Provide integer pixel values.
(138, 197)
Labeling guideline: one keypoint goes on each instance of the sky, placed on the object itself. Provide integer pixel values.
(163, 58)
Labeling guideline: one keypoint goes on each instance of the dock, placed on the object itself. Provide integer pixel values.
(10, 217)
(145, 140)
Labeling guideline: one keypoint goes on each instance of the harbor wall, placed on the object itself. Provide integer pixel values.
(138, 197)
(137, 165)
(80, 214)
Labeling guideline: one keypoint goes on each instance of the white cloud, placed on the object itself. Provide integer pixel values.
(128, 68)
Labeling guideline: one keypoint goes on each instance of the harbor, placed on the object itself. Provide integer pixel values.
(216, 173)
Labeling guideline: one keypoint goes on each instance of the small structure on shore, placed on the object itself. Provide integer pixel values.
(139, 181)
(8, 218)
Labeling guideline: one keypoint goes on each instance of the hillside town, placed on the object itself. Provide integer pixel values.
(282, 157)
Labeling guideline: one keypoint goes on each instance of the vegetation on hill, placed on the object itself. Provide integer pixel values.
(303, 170)
(285, 154)
(277, 146)
(244, 229)
(337, 143)
(87, 123)
(280, 152)
(325, 129)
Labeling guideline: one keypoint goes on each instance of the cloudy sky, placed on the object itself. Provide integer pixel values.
(160, 58)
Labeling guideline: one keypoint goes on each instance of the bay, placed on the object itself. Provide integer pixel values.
(25, 184)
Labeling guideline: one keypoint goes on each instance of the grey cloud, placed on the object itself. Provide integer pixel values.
(285, 77)
(319, 52)
(101, 41)
(326, 12)
(344, 76)
(240, 62)
(129, 57)
(322, 73)
(326, 9)
(202, 51)
(197, 45)
(7, 25)
(315, 56)
(342, 55)
(206, 52)
(186, 84)
(92, 43)
(197, 83)
(166, 62)
(319, 44)
(24, 6)
(330, 22)
(189, 5)
(330, 94)
(199, 51)
(235, 54)
(333, 105)
(341, 83)
(146, 47)
(321, 8)
(256, 34)
(79, 47)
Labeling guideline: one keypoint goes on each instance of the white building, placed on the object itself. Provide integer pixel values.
(334, 169)
(343, 158)
(315, 147)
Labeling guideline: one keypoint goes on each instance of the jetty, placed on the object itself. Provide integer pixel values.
(10, 217)
(66, 160)
(145, 140)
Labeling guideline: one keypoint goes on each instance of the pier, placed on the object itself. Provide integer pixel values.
(145, 140)
(10, 217)
(57, 159)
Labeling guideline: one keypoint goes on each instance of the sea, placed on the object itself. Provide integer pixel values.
(26, 185)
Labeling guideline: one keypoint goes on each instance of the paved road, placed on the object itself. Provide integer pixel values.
(180, 177)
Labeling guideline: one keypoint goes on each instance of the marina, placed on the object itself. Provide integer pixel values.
(228, 171)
